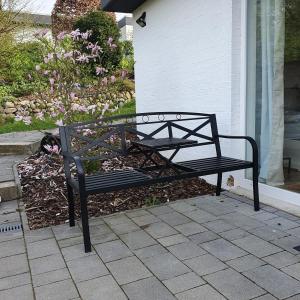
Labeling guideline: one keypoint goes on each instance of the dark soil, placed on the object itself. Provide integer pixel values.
(44, 192)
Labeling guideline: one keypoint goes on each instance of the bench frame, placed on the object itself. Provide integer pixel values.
(130, 124)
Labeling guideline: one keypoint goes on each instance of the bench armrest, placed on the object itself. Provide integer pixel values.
(78, 164)
(250, 140)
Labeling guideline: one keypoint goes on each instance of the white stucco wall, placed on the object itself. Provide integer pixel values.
(188, 59)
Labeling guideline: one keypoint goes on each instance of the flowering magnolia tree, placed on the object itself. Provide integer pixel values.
(64, 69)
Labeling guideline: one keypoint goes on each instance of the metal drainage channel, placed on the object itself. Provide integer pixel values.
(4, 228)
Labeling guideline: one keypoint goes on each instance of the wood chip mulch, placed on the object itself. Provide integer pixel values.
(44, 192)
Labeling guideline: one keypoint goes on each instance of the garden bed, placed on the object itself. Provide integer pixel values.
(44, 192)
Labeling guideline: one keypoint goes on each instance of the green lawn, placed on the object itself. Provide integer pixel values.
(128, 108)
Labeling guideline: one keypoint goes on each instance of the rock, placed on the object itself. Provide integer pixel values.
(25, 103)
(128, 95)
(10, 110)
(9, 105)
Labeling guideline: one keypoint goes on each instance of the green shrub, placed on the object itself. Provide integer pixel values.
(127, 61)
(103, 27)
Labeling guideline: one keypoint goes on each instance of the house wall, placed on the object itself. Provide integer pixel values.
(188, 58)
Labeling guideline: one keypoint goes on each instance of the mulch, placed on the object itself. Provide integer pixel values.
(44, 192)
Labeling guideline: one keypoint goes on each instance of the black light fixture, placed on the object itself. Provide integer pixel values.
(142, 20)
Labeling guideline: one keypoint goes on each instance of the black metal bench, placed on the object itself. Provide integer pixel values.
(153, 133)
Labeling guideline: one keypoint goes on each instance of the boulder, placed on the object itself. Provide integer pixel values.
(9, 105)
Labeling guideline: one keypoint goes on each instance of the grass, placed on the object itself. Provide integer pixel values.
(48, 123)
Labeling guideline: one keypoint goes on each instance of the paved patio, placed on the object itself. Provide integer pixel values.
(203, 248)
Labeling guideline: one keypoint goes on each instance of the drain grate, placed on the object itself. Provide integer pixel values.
(297, 248)
(10, 227)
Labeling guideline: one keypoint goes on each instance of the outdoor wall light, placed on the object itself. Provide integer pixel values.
(142, 20)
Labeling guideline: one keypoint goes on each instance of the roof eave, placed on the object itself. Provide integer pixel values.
(127, 6)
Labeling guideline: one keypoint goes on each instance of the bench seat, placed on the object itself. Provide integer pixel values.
(207, 166)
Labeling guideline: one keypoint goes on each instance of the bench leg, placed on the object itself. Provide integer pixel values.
(219, 184)
(255, 188)
(85, 223)
(71, 205)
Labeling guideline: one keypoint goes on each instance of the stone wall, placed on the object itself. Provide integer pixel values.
(10, 106)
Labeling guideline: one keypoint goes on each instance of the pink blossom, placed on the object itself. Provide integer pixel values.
(73, 96)
(46, 60)
(61, 35)
(105, 108)
(83, 58)
(100, 70)
(42, 33)
(29, 76)
(51, 80)
(86, 34)
(68, 54)
(75, 34)
(46, 72)
(123, 74)
(104, 81)
(38, 68)
(27, 120)
(40, 116)
(113, 79)
(77, 85)
(110, 40)
(59, 123)
(52, 149)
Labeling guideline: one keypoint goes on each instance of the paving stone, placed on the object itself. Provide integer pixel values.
(56, 291)
(268, 233)
(50, 277)
(288, 243)
(256, 246)
(204, 292)
(24, 292)
(75, 251)
(128, 269)
(223, 249)
(116, 219)
(282, 223)
(293, 270)
(12, 247)
(103, 238)
(200, 216)
(218, 226)
(150, 251)
(13, 265)
(42, 248)
(273, 281)
(145, 220)
(94, 221)
(186, 250)
(165, 266)
(14, 281)
(124, 228)
(38, 235)
(294, 231)
(266, 297)
(233, 285)
(104, 288)
(183, 282)
(203, 237)
(296, 297)
(149, 288)
(161, 210)
(46, 264)
(205, 264)
(245, 263)
(270, 208)
(173, 240)
(217, 210)
(137, 239)
(242, 221)
(10, 235)
(86, 268)
(159, 230)
(11, 189)
(64, 231)
(137, 213)
(282, 259)
(190, 228)
(70, 242)
(174, 218)
(112, 251)
(100, 229)
(286, 215)
(263, 216)
(181, 206)
(234, 234)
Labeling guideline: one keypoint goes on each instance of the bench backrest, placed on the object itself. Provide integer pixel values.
(81, 138)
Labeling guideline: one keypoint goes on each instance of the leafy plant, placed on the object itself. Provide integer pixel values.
(103, 28)
(152, 201)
